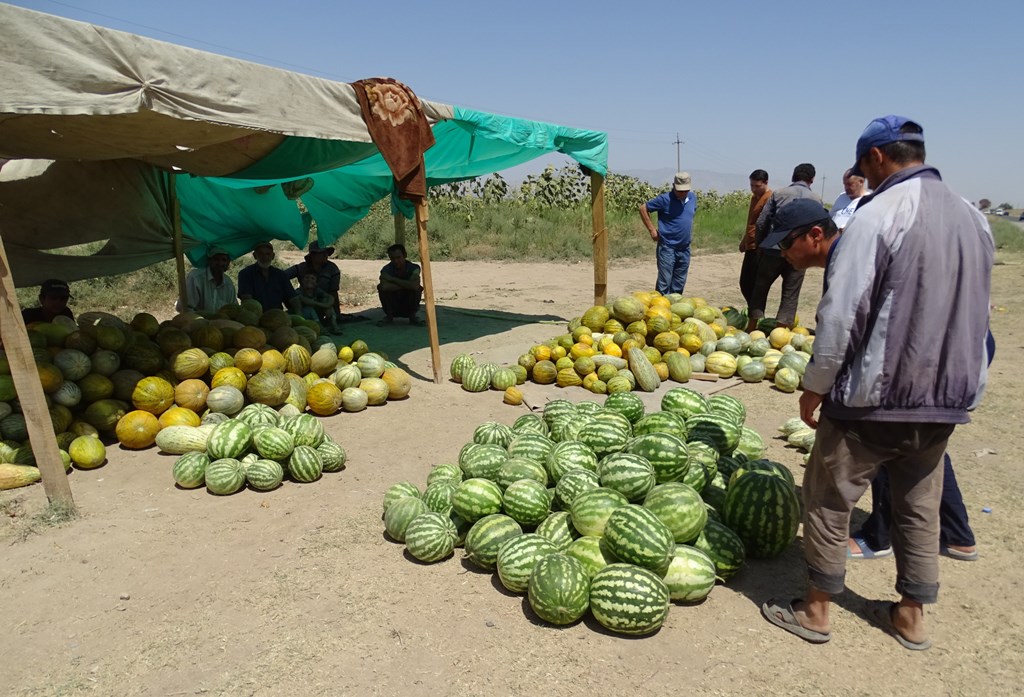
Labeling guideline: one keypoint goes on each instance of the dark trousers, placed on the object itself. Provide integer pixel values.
(769, 269)
(748, 275)
(954, 527)
(400, 303)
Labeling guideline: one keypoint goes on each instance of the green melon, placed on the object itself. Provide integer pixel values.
(662, 422)
(517, 558)
(591, 509)
(189, 470)
(532, 446)
(493, 432)
(530, 423)
(430, 537)
(274, 443)
(444, 472)
(400, 514)
(690, 576)
(627, 404)
(573, 483)
(264, 475)
(305, 464)
(631, 475)
(680, 508)
(723, 547)
(667, 454)
(224, 476)
(230, 439)
(589, 551)
(685, 402)
(628, 599)
(438, 496)
(332, 455)
(569, 455)
(486, 537)
(517, 468)
(526, 501)
(558, 528)
(763, 510)
(475, 498)
(482, 461)
(399, 490)
(636, 535)
(559, 589)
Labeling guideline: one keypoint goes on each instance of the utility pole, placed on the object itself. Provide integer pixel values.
(677, 144)
(823, 178)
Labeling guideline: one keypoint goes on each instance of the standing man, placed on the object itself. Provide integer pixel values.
(266, 283)
(759, 195)
(854, 187)
(899, 358)
(770, 264)
(328, 275)
(675, 211)
(399, 288)
(207, 290)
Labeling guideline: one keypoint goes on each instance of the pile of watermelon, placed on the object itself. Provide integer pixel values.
(258, 448)
(605, 508)
(638, 341)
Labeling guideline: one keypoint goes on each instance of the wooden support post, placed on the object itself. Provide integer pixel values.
(600, 239)
(30, 392)
(422, 216)
(179, 248)
(399, 229)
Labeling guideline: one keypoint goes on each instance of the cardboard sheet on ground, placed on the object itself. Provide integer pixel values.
(536, 396)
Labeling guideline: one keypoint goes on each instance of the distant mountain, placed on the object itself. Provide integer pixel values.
(721, 182)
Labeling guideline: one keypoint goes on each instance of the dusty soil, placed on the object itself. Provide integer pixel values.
(160, 591)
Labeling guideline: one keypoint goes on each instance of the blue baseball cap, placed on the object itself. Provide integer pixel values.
(798, 213)
(882, 131)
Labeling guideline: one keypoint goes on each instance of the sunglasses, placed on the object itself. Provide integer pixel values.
(792, 237)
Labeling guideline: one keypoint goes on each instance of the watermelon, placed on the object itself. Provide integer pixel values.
(763, 510)
(483, 461)
(662, 422)
(231, 439)
(587, 408)
(332, 455)
(703, 464)
(444, 472)
(517, 468)
(400, 514)
(399, 490)
(626, 403)
(438, 496)
(225, 476)
(476, 498)
(486, 537)
(589, 551)
(258, 414)
(685, 402)
(526, 501)
(532, 446)
(565, 428)
(264, 475)
(667, 454)
(714, 494)
(430, 537)
(559, 589)
(189, 470)
(680, 508)
(305, 429)
(631, 475)
(492, 432)
(723, 547)
(690, 576)
(517, 558)
(636, 535)
(628, 599)
(603, 438)
(715, 429)
(728, 405)
(558, 528)
(556, 408)
(274, 443)
(591, 509)
(573, 483)
(750, 444)
(569, 455)
(530, 423)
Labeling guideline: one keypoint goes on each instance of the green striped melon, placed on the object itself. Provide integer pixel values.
(445, 472)
(178, 440)
(517, 558)
(626, 403)
(558, 528)
(591, 509)
(603, 438)
(274, 443)
(715, 429)
(264, 475)
(526, 501)
(714, 494)
(662, 422)
(588, 408)
(305, 429)
(589, 551)
(516, 468)
(703, 464)
(557, 408)
(399, 490)
(569, 455)
(487, 536)
(727, 464)
(565, 428)
(680, 508)
(685, 402)
(636, 535)
(728, 405)
(751, 444)
(438, 496)
(459, 365)
(573, 483)
(667, 454)
(763, 510)
(332, 455)
(476, 498)
(754, 371)
(610, 417)
(723, 547)
(530, 423)
(483, 461)
(430, 537)
(763, 465)
(493, 432)
(559, 589)
(305, 464)
(631, 475)
(503, 378)
(400, 514)
(691, 575)
(628, 599)
(256, 413)
(224, 476)
(230, 439)
(189, 470)
(476, 378)
(532, 446)
(462, 528)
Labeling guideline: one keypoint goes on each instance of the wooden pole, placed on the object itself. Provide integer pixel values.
(399, 229)
(422, 216)
(30, 392)
(179, 248)
(600, 239)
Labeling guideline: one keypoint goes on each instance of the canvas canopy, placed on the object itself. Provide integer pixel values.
(97, 121)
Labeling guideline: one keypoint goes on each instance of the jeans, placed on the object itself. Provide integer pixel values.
(954, 527)
(771, 267)
(673, 265)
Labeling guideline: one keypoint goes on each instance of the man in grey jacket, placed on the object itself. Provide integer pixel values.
(899, 359)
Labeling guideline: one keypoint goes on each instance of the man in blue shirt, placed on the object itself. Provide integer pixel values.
(267, 283)
(675, 211)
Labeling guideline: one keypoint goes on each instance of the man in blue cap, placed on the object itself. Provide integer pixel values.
(899, 359)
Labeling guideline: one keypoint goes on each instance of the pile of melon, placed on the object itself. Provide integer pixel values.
(638, 341)
(605, 508)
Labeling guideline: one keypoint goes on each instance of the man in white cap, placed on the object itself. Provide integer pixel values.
(209, 289)
(675, 211)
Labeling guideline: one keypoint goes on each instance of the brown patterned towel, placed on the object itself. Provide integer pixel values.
(399, 128)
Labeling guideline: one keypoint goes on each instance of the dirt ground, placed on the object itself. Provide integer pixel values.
(161, 591)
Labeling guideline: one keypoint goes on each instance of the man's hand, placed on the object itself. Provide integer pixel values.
(654, 235)
(743, 243)
(809, 403)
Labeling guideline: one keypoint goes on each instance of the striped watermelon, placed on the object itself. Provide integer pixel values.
(189, 470)
(557, 408)
(627, 404)
(718, 430)
(517, 558)
(459, 365)
(685, 402)
(565, 428)
(763, 465)
(476, 498)
(532, 446)
(483, 461)
(628, 599)
(492, 432)
(264, 475)
(573, 483)
(438, 496)
(274, 443)
(526, 501)
(530, 423)
(558, 528)
(631, 475)
(667, 454)
(703, 464)
(729, 406)
(727, 464)
(399, 490)
(690, 576)
(400, 514)
(635, 535)
(763, 510)
(256, 413)
(751, 444)
(476, 378)
(680, 508)
(517, 468)
(559, 589)
(610, 417)
(567, 455)
(485, 538)
(332, 455)
(591, 510)
(602, 437)
(305, 429)
(430, 537)
(225, 476)
(714, 494)
(305, 464)
(589, 551)
(230, 439)
(445, 472)
(462, 528)
(588, 408)
(723, 547)
(662, 422)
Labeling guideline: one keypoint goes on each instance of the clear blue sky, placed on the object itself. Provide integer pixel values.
(746, 85)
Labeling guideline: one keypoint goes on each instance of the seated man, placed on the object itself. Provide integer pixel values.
(328, 275)
(266, 283)
(399, 288)
(207, 290)
(53, 301)
(317, 304)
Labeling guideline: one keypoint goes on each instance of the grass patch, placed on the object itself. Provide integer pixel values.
(1009, 236)
(24, 525)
